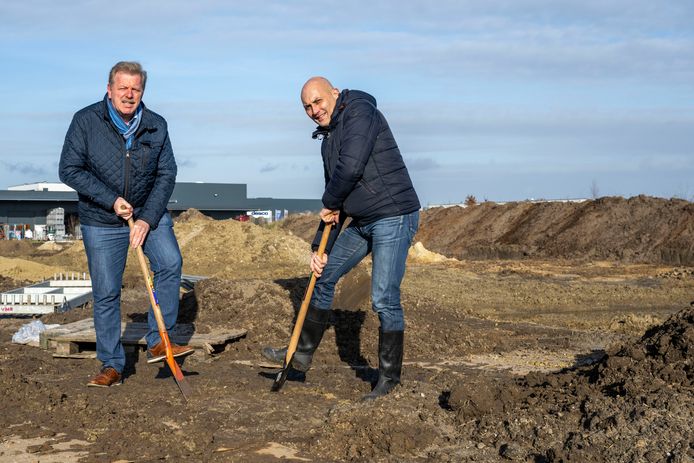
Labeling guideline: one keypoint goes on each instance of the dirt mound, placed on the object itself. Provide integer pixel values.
(633, 405)
(20, 269)
(262, 307)
(639, 229)
(223, 248)
(50, 246)
(17, 248)
(392, 430)
(265, 308)
(70, 255)
(302, 225)
(7, 284)
(233, 249)
(191, 214)
(418, 253)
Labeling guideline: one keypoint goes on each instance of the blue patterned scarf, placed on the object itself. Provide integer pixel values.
(125, 129)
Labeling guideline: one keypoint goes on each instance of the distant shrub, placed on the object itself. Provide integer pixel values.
(470, 200)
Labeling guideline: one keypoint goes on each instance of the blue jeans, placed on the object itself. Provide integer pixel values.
(107, 251)
(388, 240)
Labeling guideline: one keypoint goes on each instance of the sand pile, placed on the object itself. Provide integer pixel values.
(20, 269)
(233, 249)
(421, 255)
(633, 405)
(17, 248)
(50, 246)
(71, 255)
(191, 215)
(223, 248)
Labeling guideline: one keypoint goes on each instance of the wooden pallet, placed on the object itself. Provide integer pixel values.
(78, 339)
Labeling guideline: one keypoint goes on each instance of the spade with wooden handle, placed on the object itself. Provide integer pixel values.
(296, 333)
(175, 369)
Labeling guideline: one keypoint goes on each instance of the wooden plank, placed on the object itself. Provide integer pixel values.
(48, 335)
(134, 333)
(78, 340)
(65, 348)
(79, 355)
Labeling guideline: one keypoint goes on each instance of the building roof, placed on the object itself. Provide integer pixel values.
(41, 186)
(31, 195)
(186, 195)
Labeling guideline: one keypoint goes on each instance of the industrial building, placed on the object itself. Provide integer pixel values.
(42, 206)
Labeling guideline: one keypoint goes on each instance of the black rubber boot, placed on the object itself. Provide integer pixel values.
(311, 334)
(390, 344)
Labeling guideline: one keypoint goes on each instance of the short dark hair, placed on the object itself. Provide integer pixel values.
(128, 67)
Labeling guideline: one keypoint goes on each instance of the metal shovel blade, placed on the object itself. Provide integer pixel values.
(185, 388)
(281, 376)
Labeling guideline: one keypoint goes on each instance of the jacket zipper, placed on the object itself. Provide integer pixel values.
(127, 174)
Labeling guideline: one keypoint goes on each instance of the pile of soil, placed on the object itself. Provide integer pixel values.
(70, 255)
(191, 214)
(18, 248)
(638, 229)
(50, 247)
(21, 269)
(7, 283)
(267, 308)
(418, 253)
(302, 225)
(233, 249)
(262, 307)
(633, 405)
(222, 248)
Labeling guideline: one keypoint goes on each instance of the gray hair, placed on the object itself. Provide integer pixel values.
(128, 67)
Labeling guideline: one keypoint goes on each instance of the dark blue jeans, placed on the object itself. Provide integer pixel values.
(107, 251)
(388, 240)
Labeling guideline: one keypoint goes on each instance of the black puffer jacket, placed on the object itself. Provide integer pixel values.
(365, 175)
(96, 164)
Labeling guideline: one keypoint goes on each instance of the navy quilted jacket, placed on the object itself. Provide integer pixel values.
(96, 164)
(365, 175)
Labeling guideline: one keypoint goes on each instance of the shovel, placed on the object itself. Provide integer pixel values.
(294, 341)
(175, 369)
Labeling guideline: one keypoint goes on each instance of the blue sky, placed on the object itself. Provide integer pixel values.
(501, 99)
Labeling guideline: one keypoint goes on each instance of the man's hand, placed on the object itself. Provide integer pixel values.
(318, 264)
(330, 215)
(138, 233)
(123, 208)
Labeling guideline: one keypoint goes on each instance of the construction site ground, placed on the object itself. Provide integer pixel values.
(532, 335)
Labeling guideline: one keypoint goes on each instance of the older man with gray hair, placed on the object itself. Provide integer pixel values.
(118, 157)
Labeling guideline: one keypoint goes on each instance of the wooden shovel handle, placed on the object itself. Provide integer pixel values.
(294, 341)
(161, 325)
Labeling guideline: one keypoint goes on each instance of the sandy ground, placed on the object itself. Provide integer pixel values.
(538, 360)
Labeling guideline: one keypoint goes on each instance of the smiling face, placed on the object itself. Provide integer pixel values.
(125, 93)
(318, 97)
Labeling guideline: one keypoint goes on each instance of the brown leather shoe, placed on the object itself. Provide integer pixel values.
(158, 352)
(108, 376)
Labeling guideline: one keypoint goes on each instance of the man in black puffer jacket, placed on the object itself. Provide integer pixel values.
(366, 180)
(118, 157)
